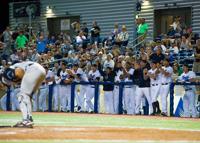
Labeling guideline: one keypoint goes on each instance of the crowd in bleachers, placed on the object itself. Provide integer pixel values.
(89, 57)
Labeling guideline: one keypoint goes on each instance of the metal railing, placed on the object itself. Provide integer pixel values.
(96, 95)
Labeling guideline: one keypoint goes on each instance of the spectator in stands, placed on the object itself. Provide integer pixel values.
(142, 29)
(7, 39)
(116, 31)
(41, 44)
(143, 54)
(171, 32)
(81, 40)
(66, 37)
(52, 40)
(149, 52)
(76, 26)
(185, 43)
(95, 33)
(158, 56)
(174, 48)
(14, 56)
(85, 29)
(109, 62)
(196, 66)
(21, 40)
(35, 56)
(176, 24)
(123, 37)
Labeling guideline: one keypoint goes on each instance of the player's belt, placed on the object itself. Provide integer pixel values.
(127, 87)
(165, 83)
(154, 84)
(92, 86)
(188, 89)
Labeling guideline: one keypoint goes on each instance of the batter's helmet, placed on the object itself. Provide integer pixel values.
(9, 74)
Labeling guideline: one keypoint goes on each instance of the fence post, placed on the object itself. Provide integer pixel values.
(146, 108)
(96, 98)
(50, 97)
(121, 86)
(171, 99)
(72, 95)
(8, 100)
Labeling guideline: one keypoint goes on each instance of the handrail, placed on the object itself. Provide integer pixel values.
(138, 44)
(137, 38)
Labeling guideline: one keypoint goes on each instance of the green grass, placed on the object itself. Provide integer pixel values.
(78, 120)
(103, 121)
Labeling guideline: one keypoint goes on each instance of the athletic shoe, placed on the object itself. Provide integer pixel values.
(24, 124)
(164, 114)
(79, 108)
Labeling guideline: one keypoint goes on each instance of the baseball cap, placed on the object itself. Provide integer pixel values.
(110, 55)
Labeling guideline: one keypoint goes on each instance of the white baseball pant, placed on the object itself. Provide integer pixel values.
(14, 101)
(155, 90)
(164, 91)
(3, 102)
(189, 104)
(44, 91)
(82, 95)
(28, 86)
(129, 99)
(55, 98)
(65, 97)
(116, 99)
(109, 102)
(143, 92)
(89, 97)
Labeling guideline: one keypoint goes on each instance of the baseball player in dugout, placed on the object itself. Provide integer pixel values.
(142, 81)
(166, 78)
(189, 96)
(154, 75)
(30, 75)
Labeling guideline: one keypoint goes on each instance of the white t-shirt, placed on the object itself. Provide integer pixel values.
(82, 75)
(79, 39)
(117, 77)
(167, 79)
(93, 75)
(49, 75)
(153, 81)
(110, 64)
(131, 71)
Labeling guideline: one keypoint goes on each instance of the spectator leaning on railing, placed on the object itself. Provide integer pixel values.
(189, 96)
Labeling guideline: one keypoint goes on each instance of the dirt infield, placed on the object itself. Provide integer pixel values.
(97, 133)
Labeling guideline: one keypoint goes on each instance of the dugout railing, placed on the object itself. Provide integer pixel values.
(96, 95)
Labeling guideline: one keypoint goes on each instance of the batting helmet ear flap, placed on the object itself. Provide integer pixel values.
(9, 74)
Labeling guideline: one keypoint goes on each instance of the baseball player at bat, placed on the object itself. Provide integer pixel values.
(30, 75)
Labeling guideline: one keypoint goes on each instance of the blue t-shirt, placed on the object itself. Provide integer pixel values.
(41, 46)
